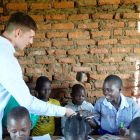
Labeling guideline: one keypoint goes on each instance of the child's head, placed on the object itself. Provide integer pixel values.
(43, 87)
(112, 87)
(76, 128)
(134, 133)
(78, 94)
(18, 123)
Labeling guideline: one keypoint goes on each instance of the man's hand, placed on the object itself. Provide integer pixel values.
(69, 112)
(123, 131)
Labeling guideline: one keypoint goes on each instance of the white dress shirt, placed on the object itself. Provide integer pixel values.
(12, 83)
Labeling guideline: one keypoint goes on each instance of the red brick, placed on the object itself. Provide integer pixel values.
(61, 96)
(56, 69)
(17, 6)
(64, 4)
(19, 53)
(31, 86)
(81, 69)
(108, 2)
(127, 68)
(117, 32)
(107, 42)
(96, 94)
(111, 59)
(131, 16)
(129, 41)
(123, 76)
(64, 26)
(77, 51)
(117, 16)
(25, 61)
(114, 25)
(85, 42)
(132, 59)
(64, 78)
(138, 8)
(79, 17)
(67, 60)
(26, 78)
(106, 68)
(131, 1)
(36, 53)
(98, 77)
(62, 43)
(131, 24)
(56, 34)
(44, 26)
(55, 17)
(42, 44)
(98, 85)
(127, 93)
(45, 61)
(98, 51)
(58, 86)
(93, 25)
(56, 52)
(37, 17)
(79, 34)
(40, 6)
(128, 84)
(67, 95)
(87, 85)
(102, 16)
(1, 10)
(85, 3)
(121, 50)
(100, 34)
(34, 78)
(1, 27)
(137, 50)
(4, 18)
(35, 70)
(88, 59)
(39, 36)
(132, 33)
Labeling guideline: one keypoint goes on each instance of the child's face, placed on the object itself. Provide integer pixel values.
(44, 91)
(78, 97)
(133, 136)
(19, 129)
(111, 91)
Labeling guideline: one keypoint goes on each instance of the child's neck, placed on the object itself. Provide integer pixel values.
(46, 99)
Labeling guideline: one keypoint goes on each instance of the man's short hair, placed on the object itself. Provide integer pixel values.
(115, 79)
(20, 20)
(77, 87)
(135, 125)
(76, 128)
(18, 113)
(42, 79)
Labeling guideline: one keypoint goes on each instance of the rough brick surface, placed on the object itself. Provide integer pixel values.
(64, 78)
(98, 51)
(137, 50)
(41, 6)
(36, 53)
(108, 2)
(64, 4)
(67, 60)
(129, 41)
(121, 50)
(56, 34)
(1, 10)
(102, 16)
(117, 32)
(56, 17)
(127, 68)
(63, 26)
(79, 35)
(16, 6)
(25, 62)
(56, 52)
(132, 33)
(39, 36)
(106, 68)
(44, 26)
(77, 52)
(85, 3)
(85, 42)
(131, 1)
(132, 58)
(93, 25)
(88, 60)
(4, 18)
(79, 17)
(111, 59)
(45, 61)
(107, 42)
(42, 44)
(62, 43)
(131, 16)
(19, 53)
(131, 24)
(35, 70)
(81, 69)
(114, 25)
(37, 17)
(100, 34)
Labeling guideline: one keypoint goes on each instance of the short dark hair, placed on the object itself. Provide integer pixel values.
(114, 78)
(17, 113)
(20, 20)
(42, 79)
(77, 87)
(76, 127)
(135, 125)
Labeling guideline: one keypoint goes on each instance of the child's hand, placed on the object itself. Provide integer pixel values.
(123, 131)
(81, 108)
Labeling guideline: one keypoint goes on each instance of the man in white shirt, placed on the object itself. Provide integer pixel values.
(19, 32)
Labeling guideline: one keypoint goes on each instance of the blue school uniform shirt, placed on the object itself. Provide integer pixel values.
(110, 119)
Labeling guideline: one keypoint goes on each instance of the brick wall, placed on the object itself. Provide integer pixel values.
(98, 37)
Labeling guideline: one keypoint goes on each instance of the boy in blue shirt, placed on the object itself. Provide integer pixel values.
(114, 109)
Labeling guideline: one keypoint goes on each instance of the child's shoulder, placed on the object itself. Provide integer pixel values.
(53, 101)
(130, 100)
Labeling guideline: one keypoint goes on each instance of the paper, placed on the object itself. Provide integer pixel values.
(44, 137)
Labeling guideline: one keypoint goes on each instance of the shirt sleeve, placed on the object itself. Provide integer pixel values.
(11, 79)
(135, 110)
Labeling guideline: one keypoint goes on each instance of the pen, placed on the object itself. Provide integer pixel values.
(122, 124)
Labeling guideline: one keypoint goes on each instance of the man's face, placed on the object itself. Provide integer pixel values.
(19, 129)
(23, 39)
(111, 91)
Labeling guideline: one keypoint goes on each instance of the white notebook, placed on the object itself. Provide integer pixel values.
(44, 137)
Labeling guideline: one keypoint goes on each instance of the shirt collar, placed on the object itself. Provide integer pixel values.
(123, 104)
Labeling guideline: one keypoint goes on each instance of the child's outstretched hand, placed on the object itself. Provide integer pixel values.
(81, 108)
(123, 131)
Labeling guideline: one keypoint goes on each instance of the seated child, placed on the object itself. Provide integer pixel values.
(76, 128)
(78, 99)
(114, 108)
(19, 124)
(46, 124)
(134, 133)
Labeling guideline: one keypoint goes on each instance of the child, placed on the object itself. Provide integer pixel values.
(46, 124)
(78, 99)
(76, 128)
(114, 108)
(19, 124)
(135, 129)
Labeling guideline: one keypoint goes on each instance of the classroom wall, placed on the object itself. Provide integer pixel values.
(97, 37)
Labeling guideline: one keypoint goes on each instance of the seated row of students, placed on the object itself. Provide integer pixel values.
(113, 109)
